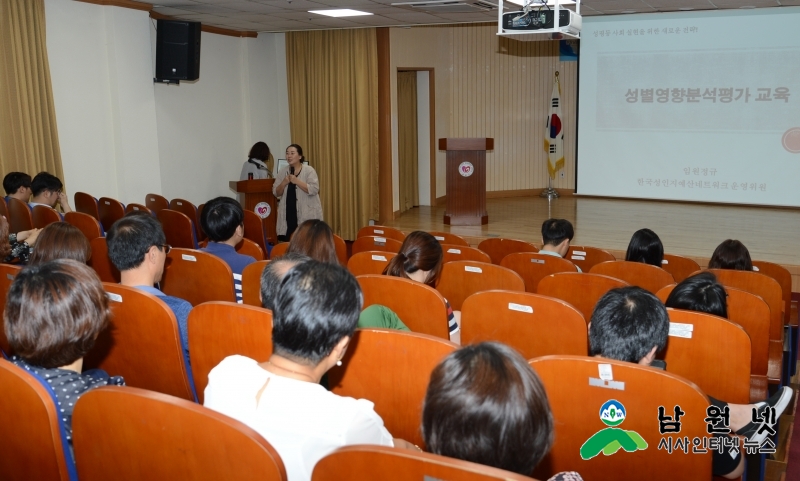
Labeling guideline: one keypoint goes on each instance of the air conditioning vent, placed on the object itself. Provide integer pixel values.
(449, 6)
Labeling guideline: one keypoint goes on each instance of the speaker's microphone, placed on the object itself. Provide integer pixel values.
(291, 170)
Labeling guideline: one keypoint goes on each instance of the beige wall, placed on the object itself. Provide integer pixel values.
(490, 86)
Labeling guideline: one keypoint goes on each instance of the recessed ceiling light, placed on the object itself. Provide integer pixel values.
(341, 12)
(628, 11)
(748, 6)
(686, 8)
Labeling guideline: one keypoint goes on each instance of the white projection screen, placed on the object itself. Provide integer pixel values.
(691, 106)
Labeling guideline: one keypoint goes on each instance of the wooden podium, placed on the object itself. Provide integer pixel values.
(466, 180)
(255, 192)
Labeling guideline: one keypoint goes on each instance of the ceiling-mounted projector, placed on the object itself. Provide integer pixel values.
(541, 20)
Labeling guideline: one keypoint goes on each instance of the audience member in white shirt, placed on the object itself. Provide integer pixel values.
(315, 314)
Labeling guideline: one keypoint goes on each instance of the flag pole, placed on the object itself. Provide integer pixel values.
(550, 192)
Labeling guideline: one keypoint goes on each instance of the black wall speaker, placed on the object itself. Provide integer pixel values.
(177, 51)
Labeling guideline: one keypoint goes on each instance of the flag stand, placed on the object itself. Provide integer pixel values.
(549, 192)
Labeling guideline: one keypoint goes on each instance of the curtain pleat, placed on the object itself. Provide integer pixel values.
(333, 108)
(407, 139)
(28, 132)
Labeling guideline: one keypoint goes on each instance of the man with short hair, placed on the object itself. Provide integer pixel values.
(223, 222)
(18, 186)
(631, 324)
(47, 190)
(556, 236)
(137, 247)
(273, 275)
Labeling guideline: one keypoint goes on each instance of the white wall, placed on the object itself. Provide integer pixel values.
(122, 136)
(424, 136)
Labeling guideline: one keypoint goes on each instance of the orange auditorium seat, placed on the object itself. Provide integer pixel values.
(369, 262)
(580, 289)
(111, 210)
(448, 238)
(251, 283)
(461, 279)
(381, 231)
(87, 224)
(498, 248)
(650, 278)
(452, 252)
(197, 277)
(533, 267)
(375, 243)
(156, 203)
(679, 266)
(585, 257)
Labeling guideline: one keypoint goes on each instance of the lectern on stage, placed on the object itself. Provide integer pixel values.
(258, 198)
(466, 180)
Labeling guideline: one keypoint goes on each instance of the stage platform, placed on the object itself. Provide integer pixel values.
(689, 229)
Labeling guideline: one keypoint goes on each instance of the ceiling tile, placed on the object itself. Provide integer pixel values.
(414, 17)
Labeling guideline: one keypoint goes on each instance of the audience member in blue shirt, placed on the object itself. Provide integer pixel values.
(223, 222)
(137, 247)
(18, 186)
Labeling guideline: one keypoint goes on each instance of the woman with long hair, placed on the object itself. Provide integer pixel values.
(60, 240)
(645, 247)
(314, 238)
(731, 254)
(420, 259)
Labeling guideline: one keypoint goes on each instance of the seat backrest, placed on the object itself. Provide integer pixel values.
(251, 283)
(341, 249)
(42, 216)
(585, 257)
(374, 243)
(448, 238)
(783, 277)
(19, 216)
(498, 248)
(7, 275)
(679, 266)
(197, 277)
(421, 308)
(127, 433)
(221, 329)
(580, 289)
(190, 210)
(369, 262)
(278, 250)
(3, 207)
(750, 312)
(178, 228)
(32, 444)
(381, 231)
(532, 267)
(100, 262)
(156, 203)
(111, 210)
(142, 343)
(452, 253)
(699, 349)
(137, 208)
(254, 229)
(650, 278)
(392, 369)
(532, 324)
(86, 204)
(761, 285)
(250, 248)
(85, 223)
(376, 462)
(461, 279)
(578, 396)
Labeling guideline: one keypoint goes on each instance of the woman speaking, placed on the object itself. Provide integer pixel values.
(298, 187)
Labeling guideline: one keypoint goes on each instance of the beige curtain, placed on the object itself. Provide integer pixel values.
(333, 106)
(28, 134)
(407, 139)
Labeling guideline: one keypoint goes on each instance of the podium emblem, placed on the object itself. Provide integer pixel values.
(263, 210)
(466, 169)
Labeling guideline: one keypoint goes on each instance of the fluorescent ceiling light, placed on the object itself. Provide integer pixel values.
(341, 12)
(536, 3)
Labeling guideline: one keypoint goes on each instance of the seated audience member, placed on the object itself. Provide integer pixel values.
(18, 186)
(314, 316)
(645, 247)
(630, 324)
(47, 190)
(420, 259)
(485, 404)
(137, 247)
(314, 238)
(556, 236)
(54, 312)
(273, 274)
(16, 247)
(731, 254)
(60, 240)
(223, 222)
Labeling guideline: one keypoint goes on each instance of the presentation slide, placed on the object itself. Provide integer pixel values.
(691, 106)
